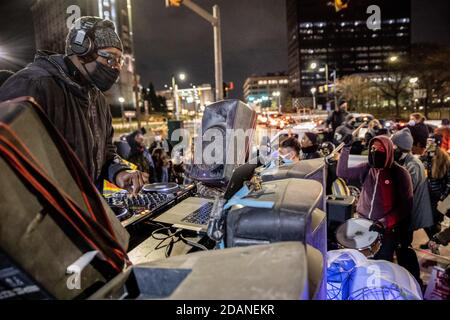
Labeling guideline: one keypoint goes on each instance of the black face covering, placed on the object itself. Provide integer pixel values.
(310, 149)
(103, 77)
(377, 159)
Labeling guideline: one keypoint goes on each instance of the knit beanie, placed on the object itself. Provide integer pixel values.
(104, 34)
(403, 139)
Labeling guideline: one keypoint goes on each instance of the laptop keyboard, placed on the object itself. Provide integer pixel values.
(201, 215)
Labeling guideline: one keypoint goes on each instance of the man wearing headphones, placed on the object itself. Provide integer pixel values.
(70, 90)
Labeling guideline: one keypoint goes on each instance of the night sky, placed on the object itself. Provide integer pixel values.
(173, 40)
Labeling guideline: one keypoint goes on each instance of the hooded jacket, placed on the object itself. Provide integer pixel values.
(78, 110)
(387, 193)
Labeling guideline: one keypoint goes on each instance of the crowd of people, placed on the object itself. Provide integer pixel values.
(153, 160)
(404, 185)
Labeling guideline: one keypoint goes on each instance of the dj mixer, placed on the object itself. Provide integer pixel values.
(151, 200)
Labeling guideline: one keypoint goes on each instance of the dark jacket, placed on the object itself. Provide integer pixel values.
(336, 118)
(78, 110)
(422, 214)
(311, 153)
(420, 134)
(371, 133)
(140, 156)
(342, 134)
(387, 193)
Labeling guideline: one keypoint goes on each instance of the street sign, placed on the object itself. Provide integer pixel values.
(130, 114)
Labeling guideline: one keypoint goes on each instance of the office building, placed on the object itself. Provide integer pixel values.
(320, 37)
(192, 101)
(270, 87)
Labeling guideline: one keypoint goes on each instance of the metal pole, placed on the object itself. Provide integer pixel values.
(314, 101)
(136, 97)
(123, 115)
(215, 21)
(135, 76)
(334, 89)
(175, 98)
(279, 103)
(218, 53)
(326, 80)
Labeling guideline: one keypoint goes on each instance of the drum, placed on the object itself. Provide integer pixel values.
(355, 234)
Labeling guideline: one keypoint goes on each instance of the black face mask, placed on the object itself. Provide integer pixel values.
(309, 149)
(377, 159)
(376, 128)
(103, 77)
(352, 124)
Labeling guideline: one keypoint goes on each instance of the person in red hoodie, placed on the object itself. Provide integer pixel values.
(386, 199)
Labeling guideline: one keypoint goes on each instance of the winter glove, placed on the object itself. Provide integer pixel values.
(348, 140)
(377, 226)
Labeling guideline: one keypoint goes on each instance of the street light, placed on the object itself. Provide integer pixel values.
(314, 65)
(182, 76)
(393, 59)
(277, 94)
(313, 91)
(121, 101)
(215, 21)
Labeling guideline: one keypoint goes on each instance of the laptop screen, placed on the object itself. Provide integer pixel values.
(240, 175)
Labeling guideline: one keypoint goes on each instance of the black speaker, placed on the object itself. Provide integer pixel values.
(339, 210)
(223, 143)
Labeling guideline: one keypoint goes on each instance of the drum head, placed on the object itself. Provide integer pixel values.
(169, 187)
(355, 234)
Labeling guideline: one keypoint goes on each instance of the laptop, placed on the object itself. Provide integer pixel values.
(193, 213)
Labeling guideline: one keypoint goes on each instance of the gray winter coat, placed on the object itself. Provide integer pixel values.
(78, 110)
(422, 213)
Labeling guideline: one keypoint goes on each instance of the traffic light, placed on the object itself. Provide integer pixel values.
(341, 4)
(227, 87)
(173, 3)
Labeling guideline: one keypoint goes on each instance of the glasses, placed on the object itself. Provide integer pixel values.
(112, 60)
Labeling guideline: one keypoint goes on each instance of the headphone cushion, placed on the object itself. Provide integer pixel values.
(84, 49)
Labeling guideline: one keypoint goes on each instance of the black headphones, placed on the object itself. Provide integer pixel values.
(82, 44)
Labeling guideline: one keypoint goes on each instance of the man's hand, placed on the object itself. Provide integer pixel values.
(377, 226)
(131, 180)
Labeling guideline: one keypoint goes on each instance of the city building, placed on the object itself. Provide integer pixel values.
(50, 25)
(192, 101)
(271, 89)
(321, 39)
